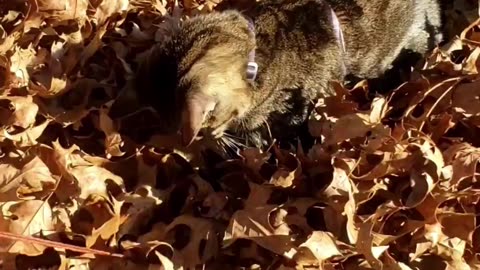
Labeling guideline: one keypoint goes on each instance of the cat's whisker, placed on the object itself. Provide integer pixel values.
(268, 129)
(223, 146)
(235, 139)
(229, 141)
(229, 144)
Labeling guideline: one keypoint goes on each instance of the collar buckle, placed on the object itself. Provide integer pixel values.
(252, 69)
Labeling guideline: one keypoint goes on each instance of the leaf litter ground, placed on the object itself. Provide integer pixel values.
(394, 183)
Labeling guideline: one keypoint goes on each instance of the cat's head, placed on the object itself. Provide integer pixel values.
(196, 80)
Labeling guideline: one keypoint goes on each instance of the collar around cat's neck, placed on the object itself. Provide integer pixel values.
(337, 29)
(252, 66)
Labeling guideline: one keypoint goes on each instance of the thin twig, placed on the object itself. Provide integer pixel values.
(53, 244)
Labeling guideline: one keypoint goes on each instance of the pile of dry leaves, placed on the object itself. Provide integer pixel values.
(393, 185)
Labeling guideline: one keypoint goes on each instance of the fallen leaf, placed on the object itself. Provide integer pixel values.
(23, 179)
(25, 218)
(20, 111)
(320, 244)
(255, 224)
(203, 244)
(110, 228)
(61, 10)
(113, 139)
(88, 178)
(20, 60)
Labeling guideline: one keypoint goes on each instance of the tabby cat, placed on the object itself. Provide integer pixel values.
(202, 79)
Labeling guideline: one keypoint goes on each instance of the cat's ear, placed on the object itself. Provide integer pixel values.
(196, 108)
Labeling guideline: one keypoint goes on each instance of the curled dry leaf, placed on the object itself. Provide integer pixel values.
(27, 137)
(166, 263)
(421, 184)
(88, 178)
(464, 159)
(457, 225)
(254, 158)
(287, 172)
(365, 245)
(263, 225)
(337, 127)
(19, 61)
(340, 184)
(113, 140)
(319, 244)
(46, 85)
